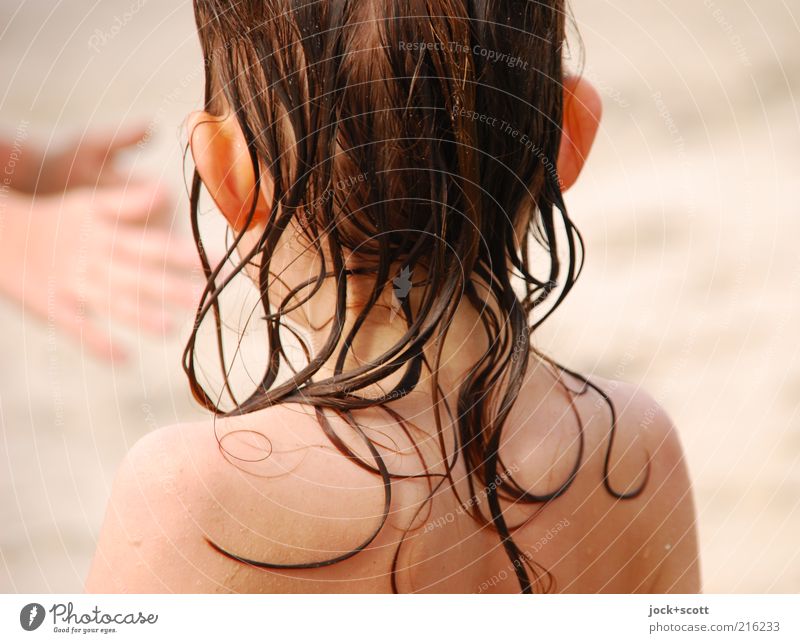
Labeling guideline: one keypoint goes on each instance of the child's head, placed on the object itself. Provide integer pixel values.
(367, 141)
(407, 133)
(350, 144)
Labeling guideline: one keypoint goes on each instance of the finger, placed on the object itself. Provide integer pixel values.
(128, 135)
(154, 247)
(136, 203)
(130, 309)
(140, 315)
(71, 319)
(111, 141)
(152, 284)
(111, 176)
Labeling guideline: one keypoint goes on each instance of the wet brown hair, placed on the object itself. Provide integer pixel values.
(412, 95)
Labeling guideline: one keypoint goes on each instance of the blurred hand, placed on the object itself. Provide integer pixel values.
(87, 161)
(91, 256)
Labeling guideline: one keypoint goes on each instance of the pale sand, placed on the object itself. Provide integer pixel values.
(688, 206)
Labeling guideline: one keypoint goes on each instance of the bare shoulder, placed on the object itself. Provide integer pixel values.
(628, 498)
(640, 423)
(258, 487)
(647, 472)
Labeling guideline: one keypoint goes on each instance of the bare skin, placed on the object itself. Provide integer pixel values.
(269, 486)
(82, 244)
(306, 503)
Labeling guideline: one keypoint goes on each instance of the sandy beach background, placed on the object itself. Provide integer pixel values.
(690, 206)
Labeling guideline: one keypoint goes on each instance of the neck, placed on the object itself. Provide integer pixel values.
(293, 263)
(382, 329)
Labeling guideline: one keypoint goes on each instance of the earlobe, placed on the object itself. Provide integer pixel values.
(583, 109)
(223, 161)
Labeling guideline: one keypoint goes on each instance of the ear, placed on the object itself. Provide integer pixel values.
(583, 109)
(223, 161)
